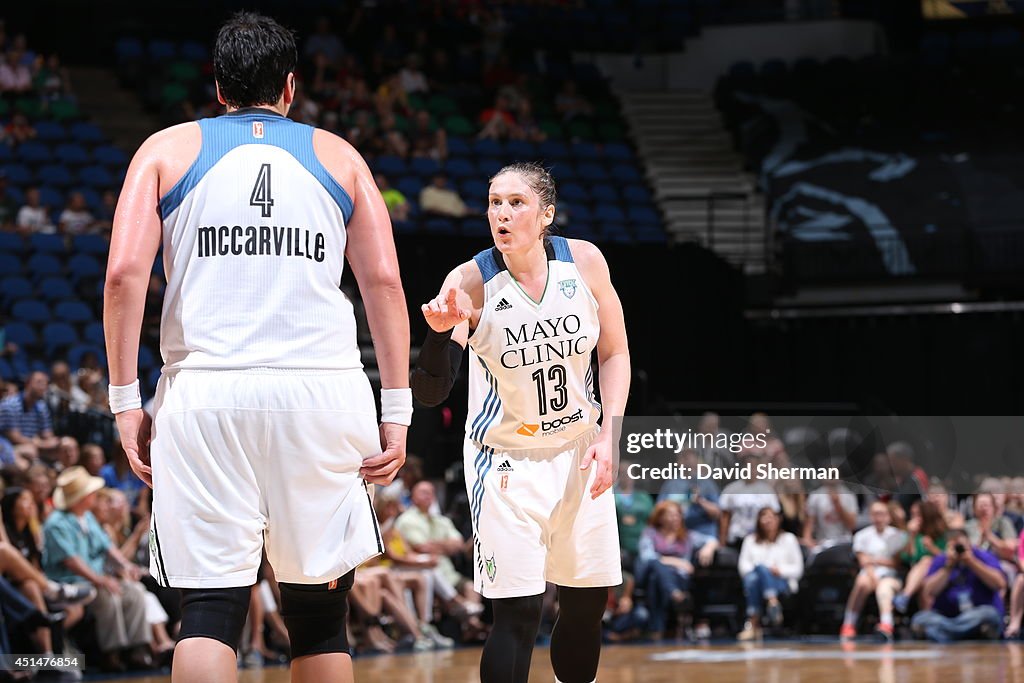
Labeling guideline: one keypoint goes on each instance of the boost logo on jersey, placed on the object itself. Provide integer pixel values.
(550, 426)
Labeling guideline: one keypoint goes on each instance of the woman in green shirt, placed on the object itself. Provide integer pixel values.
(926, 538)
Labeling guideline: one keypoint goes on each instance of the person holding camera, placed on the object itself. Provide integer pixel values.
(966, 585)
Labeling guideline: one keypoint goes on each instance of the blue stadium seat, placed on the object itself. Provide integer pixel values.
(55, 175)
(72, 153)
(146, 358)
(553, 149)
(424, 167)
(128, 49)
(460, 168)
(87, 132)
(610, 213)
(488, 167)
(73, 311)
(110, 155)
(6, 371)
(564, 172)
(476, 227)
(617, 233)
(592, 173)
(16, 195)
(604, 192)
(58, 334)
(580, 212)
(581, 231)
(473, 191)
(9, 263)
(30, 311)
(410, 186)
(51, 198)
(649, 235)
(84, 265)
(93, 334)
(440, 226)
(14, 287)
(643, 214)
(458, 147)
(194, 52)
(43, 265)
(18, 174)
(520, 150)
(636, 193)
(92, 198)
(626, 173)
(586, 151)
(6, 154)
(89, 244)
(21, 333)
(56, 288)
(390, 166)
(50, 243)
(616, 151)
(488, 148)
(50, 131)
(96, 176)
(34, 153)
(12, 243)
(154, 378)
(573, 192)
(161, 50)
(404, 227)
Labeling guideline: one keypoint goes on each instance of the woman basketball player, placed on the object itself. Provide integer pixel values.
(532, 309)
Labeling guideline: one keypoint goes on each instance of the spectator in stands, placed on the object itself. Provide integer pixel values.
(390, 46)
(774, 451)
(15, 77)
(965, 584)
(632, 508)
(698, 497)
(527, 126)
(437, 198)
(68, 453)
(64, 393)
(8, 208)
(411, 77)
(19, 130)
(427, 140)
(398, 206)
(50, 80)
(926, 539)
(304, 109)
(497, 122)
(92, 386)
(76, 219)
(1017, 594)
(77, 548)
(831, 515)
(324, 41)
(770, 565)
(624, 619)
(25, 418)
(363, 132)
(392, 141)
(877, 548)
(570, 104)
(741, 502)
(39, 480)
(114, 515)
(93, 459)
(667, 551)
(793, 504)
(432, 533)
(33, 216)
(105, 213)
(938, 494)
(910, 480)
(993, 533)
(21, 524)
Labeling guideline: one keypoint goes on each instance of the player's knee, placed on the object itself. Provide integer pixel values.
(217, 613)
(583, 605)
(316, 615)
(520, 616)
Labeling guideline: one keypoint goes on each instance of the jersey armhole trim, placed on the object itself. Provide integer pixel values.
(172, 200)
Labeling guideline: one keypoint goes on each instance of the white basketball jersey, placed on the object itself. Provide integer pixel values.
(531, 384)
(253, 248)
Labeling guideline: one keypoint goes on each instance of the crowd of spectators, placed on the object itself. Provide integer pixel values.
(914, 560)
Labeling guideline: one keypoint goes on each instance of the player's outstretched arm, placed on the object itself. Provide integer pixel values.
(612, 357)
(448, 316)
(134, 241)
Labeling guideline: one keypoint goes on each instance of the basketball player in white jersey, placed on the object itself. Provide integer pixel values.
(265, 430)
(538, 467)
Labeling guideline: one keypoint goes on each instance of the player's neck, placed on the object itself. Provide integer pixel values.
(533, 261)
(279, 108)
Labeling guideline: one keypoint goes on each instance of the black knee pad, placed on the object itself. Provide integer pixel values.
(217, 613)
(316, 616)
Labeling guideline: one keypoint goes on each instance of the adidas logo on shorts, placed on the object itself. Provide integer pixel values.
(505, 467)
(503, 305)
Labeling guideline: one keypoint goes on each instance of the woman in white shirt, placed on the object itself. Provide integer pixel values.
(771, 564)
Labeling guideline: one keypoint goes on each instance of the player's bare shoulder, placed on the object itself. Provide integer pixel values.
(589, 260)
(339, 157)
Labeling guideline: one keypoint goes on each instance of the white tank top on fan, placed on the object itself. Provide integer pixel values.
(531, 383)
(253, 247)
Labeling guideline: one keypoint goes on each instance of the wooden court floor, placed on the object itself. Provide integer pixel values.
(769, 663)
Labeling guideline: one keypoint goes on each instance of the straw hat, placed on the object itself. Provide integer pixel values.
(74, 484)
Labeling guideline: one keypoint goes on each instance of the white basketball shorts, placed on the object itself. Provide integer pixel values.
(247, 459)
(535, 522)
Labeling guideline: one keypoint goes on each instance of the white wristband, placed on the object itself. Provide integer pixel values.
(124, 398)
(396, 406)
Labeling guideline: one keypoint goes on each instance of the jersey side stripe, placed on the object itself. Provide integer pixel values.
(479, 433)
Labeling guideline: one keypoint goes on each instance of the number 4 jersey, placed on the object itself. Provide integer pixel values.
(253, 250)
(531, 383)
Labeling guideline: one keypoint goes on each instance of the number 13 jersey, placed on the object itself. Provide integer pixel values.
(253, 246)
(531, 383)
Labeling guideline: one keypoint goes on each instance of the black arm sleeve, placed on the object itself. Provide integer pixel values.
(436, 368)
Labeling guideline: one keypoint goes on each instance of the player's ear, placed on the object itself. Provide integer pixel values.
(289, 88)
(220, 98)
(549, 215)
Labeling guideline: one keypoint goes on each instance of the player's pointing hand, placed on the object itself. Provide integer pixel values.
(443, 313)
